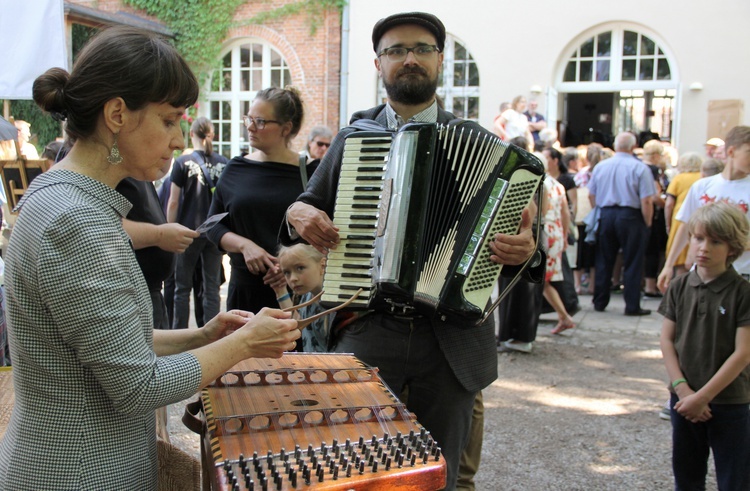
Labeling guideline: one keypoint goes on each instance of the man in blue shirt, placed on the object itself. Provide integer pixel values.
(623, 188)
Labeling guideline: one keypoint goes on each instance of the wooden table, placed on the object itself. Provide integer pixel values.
(6, 397)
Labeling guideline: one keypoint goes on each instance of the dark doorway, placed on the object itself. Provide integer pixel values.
(589, 119)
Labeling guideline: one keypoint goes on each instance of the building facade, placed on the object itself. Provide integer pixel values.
(282, 52)
(672, 67)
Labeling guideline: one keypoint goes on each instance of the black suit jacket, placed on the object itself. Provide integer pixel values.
(470, 350)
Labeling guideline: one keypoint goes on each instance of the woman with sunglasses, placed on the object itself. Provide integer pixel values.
(255, 191)
(318, 142)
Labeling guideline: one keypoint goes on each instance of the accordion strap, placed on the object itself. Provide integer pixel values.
(367, 125)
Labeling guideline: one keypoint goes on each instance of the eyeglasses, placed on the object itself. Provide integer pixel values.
(259, 123)
(398, 54)
(322, 144)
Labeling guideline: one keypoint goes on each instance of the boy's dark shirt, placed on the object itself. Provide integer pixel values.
(707, 316)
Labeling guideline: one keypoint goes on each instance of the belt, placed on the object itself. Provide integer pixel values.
(403, 311)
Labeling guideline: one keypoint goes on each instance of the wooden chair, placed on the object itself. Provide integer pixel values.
(17, 175)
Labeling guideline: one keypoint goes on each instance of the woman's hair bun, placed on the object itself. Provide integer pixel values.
(49, 91)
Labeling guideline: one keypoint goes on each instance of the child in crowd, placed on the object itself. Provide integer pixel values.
(705, 341)
(303, 267)
(731, 185)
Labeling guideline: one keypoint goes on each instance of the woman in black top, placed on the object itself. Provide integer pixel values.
(255, 191)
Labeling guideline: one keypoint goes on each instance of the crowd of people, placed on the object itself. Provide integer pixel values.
(636, 213)
(110, 345)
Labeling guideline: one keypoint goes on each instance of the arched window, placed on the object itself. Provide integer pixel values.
(640, 58)
(634, 65)
(458, 86)
(247, 66)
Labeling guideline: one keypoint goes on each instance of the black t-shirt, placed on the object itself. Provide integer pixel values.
(156, 264)
(195, 199)
(567, 180)
(256, 196)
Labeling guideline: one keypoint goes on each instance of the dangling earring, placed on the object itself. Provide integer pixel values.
(114, 157)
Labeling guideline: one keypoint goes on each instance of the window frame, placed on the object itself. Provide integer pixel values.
(616, 57)
(239, 100)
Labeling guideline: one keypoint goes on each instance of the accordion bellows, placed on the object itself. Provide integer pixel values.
(416, 210)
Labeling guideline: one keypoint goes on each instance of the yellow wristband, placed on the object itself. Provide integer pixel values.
(677, 382)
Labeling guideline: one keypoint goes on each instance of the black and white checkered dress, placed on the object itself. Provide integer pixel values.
(86, 378)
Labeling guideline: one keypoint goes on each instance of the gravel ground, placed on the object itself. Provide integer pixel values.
(578, 413)
(576, 418)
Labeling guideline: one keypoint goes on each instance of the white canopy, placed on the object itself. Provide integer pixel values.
(33, 33)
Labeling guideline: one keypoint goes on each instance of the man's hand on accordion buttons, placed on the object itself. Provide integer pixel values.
(314, 226)
(514, 249)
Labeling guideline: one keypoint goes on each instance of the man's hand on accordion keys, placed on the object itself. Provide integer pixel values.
(314, 226)
(513, 250)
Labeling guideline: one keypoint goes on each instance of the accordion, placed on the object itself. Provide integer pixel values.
(415, 211)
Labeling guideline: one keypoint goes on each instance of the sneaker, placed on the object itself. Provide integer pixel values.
(519, 346)
(665, 413)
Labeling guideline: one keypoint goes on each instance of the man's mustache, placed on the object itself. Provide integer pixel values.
(412, 69)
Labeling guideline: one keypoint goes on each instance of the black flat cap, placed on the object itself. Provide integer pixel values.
(428, 21)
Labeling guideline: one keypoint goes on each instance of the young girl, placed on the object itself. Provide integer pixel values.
(303, 267)
(705, 341)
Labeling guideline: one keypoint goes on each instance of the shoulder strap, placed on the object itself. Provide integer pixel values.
(303, 170)
(367, 125)
(202, 163)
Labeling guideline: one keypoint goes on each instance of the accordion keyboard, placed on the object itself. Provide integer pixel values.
(349, 266)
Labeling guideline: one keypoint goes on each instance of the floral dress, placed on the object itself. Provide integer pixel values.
(553, 228)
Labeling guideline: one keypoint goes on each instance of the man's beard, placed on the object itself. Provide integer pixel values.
(411, 90)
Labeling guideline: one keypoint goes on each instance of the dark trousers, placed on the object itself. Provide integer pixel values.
(202, 258)
(520, 310)
(727, 434)
(657, 243)
(161, 319)
(409, 356)
(620, 228)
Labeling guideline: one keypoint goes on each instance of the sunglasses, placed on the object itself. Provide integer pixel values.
(322, 144)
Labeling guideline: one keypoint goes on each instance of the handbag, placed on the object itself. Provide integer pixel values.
(583, 207)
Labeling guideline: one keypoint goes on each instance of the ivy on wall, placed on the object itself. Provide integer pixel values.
(201, 26)
(313, 8)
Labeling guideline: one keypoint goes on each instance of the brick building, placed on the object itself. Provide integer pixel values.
(280, 52)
